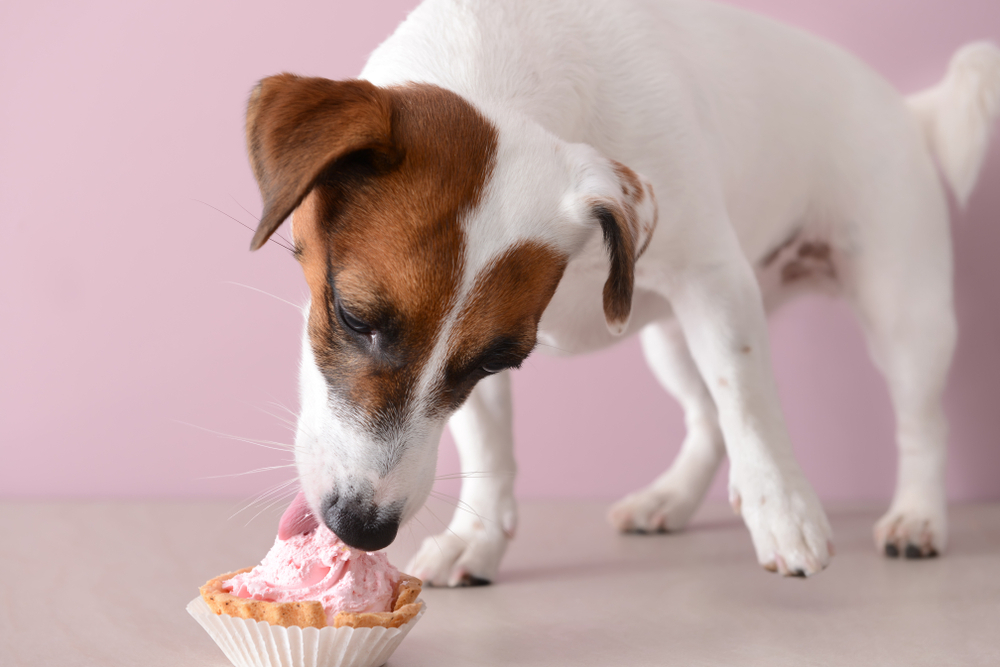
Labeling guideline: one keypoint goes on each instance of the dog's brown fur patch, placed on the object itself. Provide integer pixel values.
(498, 323)
(813, 259)
(297, 126)
(819, 250)
(622, 230)
(380, 230)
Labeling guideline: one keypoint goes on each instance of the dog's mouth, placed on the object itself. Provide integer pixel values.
(297, 519)
(368, 529)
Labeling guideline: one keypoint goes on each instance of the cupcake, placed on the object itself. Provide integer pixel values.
(313, 600)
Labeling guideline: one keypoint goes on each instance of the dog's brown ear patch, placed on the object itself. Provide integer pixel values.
(620, 284)
(627, 222)
(296, 127)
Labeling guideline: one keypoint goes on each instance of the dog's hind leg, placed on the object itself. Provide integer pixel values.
(901, 286)
(468, 553)
(668, 503)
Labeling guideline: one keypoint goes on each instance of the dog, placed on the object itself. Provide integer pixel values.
(570, 172)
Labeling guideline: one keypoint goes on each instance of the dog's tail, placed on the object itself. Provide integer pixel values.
(958, 113)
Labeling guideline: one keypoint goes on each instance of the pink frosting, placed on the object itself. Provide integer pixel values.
(318, 566)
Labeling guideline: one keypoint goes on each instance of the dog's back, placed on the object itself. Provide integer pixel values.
(791, 122)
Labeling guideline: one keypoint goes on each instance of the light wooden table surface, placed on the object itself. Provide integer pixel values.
(106, 584)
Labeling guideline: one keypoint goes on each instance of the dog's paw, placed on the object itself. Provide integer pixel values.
(917, 531)
(460, 557)
(790, 531)
(653, 510)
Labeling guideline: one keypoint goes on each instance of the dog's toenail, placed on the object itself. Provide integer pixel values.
(913, 551)
(891, 550)
(797, 573)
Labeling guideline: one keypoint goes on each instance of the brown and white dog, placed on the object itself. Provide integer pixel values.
(468, 197)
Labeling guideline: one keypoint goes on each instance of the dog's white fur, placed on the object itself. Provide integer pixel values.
(751, 134)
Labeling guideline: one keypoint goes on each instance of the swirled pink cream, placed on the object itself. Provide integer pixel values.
(317, 566)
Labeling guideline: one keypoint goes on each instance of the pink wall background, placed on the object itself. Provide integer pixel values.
(124, 340)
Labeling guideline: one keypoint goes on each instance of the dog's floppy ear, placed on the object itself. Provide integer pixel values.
(623, 204)
(297, 127)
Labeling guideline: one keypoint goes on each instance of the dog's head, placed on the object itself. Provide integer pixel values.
(432, 239)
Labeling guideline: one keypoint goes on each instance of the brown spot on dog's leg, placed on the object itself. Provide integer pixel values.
(745, 349)
(794, 270)
(818, 250)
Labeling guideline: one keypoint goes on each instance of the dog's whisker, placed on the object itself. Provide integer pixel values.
(416, 518)
(278, 234)
(237, 201)
(446, 526)
(266, 444)
(278, 490)
(460, 505)
(430, 534)
(266, 502)
(293, 422)
(284, 445)
(250, 213)
(484, 474)
(272, 239)
(278, 404)
(279, 499)
(290, 424)
(290, 464)
(256, 289)
(248, 506)
(265, 495)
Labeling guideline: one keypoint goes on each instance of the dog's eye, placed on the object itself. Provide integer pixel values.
(494, 368)
(354, 324)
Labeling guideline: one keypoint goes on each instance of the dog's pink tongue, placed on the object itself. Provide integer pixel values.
(297, 519)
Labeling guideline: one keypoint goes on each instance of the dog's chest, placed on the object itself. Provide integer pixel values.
(574, 321)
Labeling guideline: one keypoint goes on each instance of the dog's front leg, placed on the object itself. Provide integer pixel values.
(719, 306)
(469, 552)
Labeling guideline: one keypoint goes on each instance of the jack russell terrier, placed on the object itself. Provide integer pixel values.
(487, 185)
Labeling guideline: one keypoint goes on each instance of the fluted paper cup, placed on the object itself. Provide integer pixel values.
(250, 643)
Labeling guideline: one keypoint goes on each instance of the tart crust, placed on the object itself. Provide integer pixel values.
(310, 613)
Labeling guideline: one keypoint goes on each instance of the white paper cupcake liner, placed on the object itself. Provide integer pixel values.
(250, 643)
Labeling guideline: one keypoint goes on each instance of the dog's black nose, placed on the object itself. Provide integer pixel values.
(360, 523)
